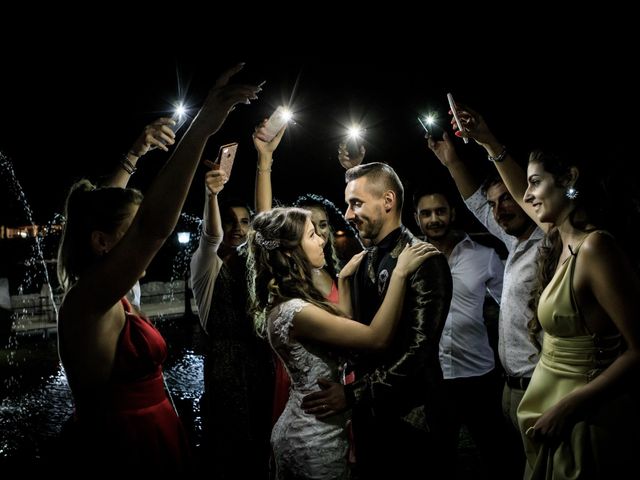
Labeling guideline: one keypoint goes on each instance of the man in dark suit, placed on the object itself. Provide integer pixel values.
(391, 388)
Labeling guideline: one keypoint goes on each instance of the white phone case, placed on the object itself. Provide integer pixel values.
(452, 105)
(276, 121)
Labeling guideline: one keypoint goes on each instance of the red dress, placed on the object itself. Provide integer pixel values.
(283, 382)
(136, 426)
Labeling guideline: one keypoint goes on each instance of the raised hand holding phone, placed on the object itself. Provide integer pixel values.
(180, 117)
(177, 120)
(224, 161)
(276, 121)
(431, 127)
(454, 111)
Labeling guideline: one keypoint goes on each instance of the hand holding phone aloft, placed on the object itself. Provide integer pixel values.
(454, 111)
(180, 117)
(224, 161)
(276, 121)
(431, 127)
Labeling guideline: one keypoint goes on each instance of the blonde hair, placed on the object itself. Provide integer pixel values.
(87, 209)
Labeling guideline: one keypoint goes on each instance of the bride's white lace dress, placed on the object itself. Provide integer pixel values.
(303, 446)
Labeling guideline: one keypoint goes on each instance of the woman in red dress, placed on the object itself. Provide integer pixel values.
(112, 356)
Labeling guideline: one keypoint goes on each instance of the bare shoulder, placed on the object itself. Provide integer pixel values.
(599, 246)
(602, 259)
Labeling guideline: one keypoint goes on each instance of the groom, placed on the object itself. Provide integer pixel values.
(393, 387)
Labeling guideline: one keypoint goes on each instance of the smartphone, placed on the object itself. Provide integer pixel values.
(431, 127)
(276, 121)
(226, 155)
(454, 111)
(180, 118)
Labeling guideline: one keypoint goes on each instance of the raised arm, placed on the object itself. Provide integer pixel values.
(205, 262)
(316, 324)
(264, 195)
(160, 210)
(467, 184)
(512, 174)
(157, 134)
(211, 221)
(445, 151)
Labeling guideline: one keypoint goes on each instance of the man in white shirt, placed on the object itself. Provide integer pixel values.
(470, 393)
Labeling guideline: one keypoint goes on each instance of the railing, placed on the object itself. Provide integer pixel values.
(34, 309)
(35, 312)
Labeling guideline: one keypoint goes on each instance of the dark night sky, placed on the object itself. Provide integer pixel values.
(67, 115)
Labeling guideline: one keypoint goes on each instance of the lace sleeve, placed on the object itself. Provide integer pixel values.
(285, 312)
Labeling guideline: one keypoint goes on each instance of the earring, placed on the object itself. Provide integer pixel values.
(571, 193)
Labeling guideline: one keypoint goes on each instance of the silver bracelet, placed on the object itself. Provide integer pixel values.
(127, 166)
(500, 157)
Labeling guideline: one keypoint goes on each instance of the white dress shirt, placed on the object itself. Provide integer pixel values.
(464, 346)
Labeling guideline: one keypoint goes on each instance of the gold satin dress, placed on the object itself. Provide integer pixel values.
(603, 442)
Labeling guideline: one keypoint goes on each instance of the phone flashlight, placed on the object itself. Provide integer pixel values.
(278, 119)
(179, 117)
(355, 132)
(427, 122)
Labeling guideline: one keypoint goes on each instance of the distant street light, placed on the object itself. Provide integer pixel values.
(183, 239)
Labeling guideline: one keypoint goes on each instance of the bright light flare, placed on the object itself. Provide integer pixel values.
(354, 132)
(180, 110)
(427, 121)
(179, 116)
(286, 114)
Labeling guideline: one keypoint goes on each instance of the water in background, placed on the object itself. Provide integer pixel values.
(35, 399)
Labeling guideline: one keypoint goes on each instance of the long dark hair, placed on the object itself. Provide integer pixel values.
(277, 267)
(596, 207)
(87, 209)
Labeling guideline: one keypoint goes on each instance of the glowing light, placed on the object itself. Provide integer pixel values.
(179, 116)
(184, 237)
(354, 132)
(278, 119)
(427, 121)
(286, 114)
(180, 110)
